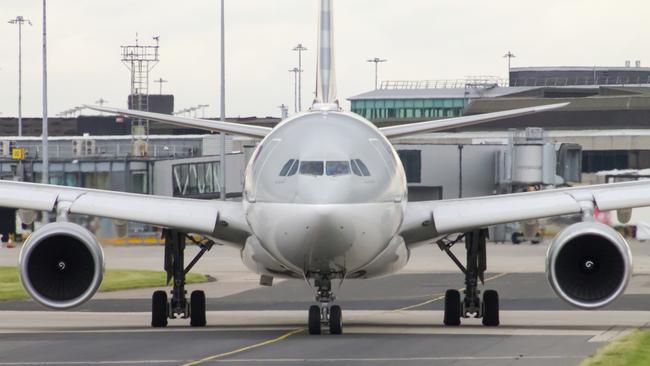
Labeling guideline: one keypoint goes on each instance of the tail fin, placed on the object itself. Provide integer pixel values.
(326, 76)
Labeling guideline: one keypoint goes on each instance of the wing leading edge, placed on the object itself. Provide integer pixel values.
(223, 220)
(449, 123)
(430, 219)
(209, 125)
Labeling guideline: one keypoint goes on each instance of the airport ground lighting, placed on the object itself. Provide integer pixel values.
(223, 101)
(46, 158)
(20, 21)
(296, 71)
(509, 55)
(377, 61)
(300, 48)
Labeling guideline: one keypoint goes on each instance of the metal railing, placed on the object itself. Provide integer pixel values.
(478, 81)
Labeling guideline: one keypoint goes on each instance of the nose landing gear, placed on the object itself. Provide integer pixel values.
(325, 314)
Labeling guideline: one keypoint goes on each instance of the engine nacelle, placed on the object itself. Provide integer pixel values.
(61, 265)
(589, 265)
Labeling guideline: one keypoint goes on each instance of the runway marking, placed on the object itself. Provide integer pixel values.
(441, 296)
(399, 359)
(297, 360)
(247, 348)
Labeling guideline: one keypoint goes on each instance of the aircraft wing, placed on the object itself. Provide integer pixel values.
(216, 126)
(219, 219)
(450, 123)
(430, 219)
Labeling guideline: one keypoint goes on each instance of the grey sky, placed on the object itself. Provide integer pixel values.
(422, 39)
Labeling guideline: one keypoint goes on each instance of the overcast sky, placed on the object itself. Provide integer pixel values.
(422, 39)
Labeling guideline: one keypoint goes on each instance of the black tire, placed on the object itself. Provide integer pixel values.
(314, 319)
(537, 239)
(452, 308)
(516, 238)
(336, 320)
(197, 309)
(159, 309)
(490, 308)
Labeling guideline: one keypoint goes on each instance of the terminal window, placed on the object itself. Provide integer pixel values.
(196, 179)
(412, 162)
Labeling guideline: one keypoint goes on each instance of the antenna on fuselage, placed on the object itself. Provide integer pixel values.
(326, 75)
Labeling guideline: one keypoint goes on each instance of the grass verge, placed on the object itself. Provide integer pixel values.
(114, 280)
(632, 350)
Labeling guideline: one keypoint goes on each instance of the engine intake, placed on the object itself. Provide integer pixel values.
(589, 265)
(61, 265)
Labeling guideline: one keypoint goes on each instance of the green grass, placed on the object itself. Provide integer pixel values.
(114, 280)
(632, 350)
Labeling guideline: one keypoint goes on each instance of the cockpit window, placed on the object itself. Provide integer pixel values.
(359, 168)
(311, 168)
(290, 168)
(335, 168)
(285, 169)
(294, 168)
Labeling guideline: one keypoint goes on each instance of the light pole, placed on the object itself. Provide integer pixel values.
(20, 20)
(376, 61)
(300, 48)
(223, 100)
(202, 107)
(46, 157)
(509, 55)
(295, 72)
(160, 81)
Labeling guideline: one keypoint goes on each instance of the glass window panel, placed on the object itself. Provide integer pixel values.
(294, 168)
(389, 104)
(362, 167)
(419, 103)
(355, 168)
(336, 168)
(408, 103)
(286, 167)
(311, 168)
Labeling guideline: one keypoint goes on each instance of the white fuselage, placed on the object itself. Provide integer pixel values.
(325, 192)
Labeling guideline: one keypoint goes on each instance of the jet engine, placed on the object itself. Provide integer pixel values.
(61, 265)
(589, 265)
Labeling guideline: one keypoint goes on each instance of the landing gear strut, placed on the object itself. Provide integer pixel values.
(178, 306)
(325, 314)
(471, 304)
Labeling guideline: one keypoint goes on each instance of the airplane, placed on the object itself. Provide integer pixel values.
(325, 200)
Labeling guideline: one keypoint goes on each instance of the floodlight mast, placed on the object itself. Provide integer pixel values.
(20, 21)
(223, 100)
(296, 71)
(45, 174)
(377, 61)
(509, 55)
(300, 48)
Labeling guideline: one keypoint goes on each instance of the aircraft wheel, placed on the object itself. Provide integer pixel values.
(314, 319)
(490, 308)
(336, 320)
(159, 309)
(452, 308)
(197, 309)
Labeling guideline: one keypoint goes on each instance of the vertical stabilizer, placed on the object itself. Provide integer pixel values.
(326, 77)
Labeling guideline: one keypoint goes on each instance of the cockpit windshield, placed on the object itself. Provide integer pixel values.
(335, 168)
(311, 168)
(332, 168)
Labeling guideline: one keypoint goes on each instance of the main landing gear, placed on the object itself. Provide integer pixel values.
(178, 307)
(471, 304)
(325, 314)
